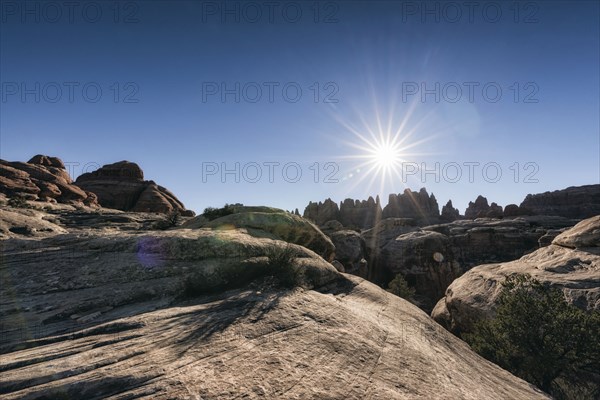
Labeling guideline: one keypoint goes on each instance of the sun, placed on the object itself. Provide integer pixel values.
(386, 155)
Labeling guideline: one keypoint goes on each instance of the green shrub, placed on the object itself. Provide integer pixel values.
(280, 264)
(223, 278)
(541, 338)
(173, 218)
(170, 220)
(212, 213)
(400, 288)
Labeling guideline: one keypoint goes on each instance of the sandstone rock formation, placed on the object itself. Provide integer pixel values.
(354, 214)
(419, 206)
(95, 313)
(272, 223)
(42, 178)
(360, 214)
(477, 209)
(449, 213)
(350, 251)
(513, 210)
(122, 186)
(426, 260)
(381, 234)
(573, 202)
(321, 212)
(429, 262)
(571, 263)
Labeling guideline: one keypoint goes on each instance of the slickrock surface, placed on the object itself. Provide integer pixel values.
(353, 341)
(96, 312)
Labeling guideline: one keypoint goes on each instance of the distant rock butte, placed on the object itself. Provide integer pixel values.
(481, 209)
(449, 213)
(573, 202)
(419, 206)
(365, 214)
(122, 186)
(42, 178)
(577, 202)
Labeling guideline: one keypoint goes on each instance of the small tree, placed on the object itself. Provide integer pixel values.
(174, 217)
(400, 288)
(541, 338)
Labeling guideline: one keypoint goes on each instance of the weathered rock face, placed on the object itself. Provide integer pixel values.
(322, 212)
(42, 178)
(573, 202)
(272, 223)
(490, 240)
(95, 314)
(381, 234)
(47, 161)
(426, 261)
(513, 210)
(397, 246)
(350, 251)
(360, 214)
(122, 186)
(354, 214)
(449, 213)
(419, 206)
(571, 263)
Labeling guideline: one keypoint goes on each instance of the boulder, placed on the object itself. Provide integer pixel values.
(583, 235)
(47, 161)
(332, 226)
(350, 251)
(122, 186)
(278, 225)
(383, 232)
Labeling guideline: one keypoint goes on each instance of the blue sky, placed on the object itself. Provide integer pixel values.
(361, 68)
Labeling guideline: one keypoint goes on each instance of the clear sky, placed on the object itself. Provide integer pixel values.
(187, 89)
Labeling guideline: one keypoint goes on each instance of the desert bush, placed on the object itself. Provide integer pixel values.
(400, 288)
(204, 282)
(212, 213)
(541, 338)
(170, 220)
(173, 218)
(280, 264)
